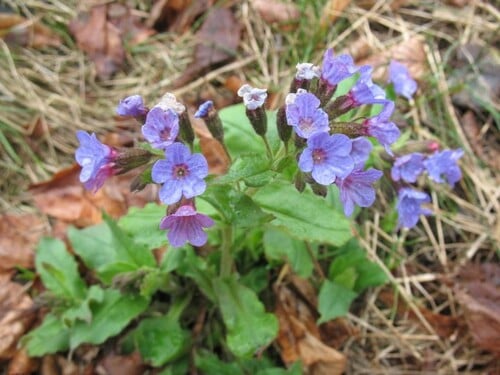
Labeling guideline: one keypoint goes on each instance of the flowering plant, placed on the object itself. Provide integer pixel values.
(294, 181)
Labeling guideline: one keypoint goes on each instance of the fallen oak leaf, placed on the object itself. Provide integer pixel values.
(218, 39)
(17, 30)
(276, 11)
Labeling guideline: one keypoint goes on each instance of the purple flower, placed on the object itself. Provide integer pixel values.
(180, 173)
(186, 225)
(307, 71)
(327, 157)
(357, 188)
(304, 114)
(252, 97)
(409, 207)
(336, 69)
(365, 91)
(408, 167)
(131, 106)
(444, 163)
(161, 127)
(400, 77)
(96, 159)
(203, 109)
(361, 148)
(381, 128)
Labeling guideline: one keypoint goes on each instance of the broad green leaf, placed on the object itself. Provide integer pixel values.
(280, 245)
(197, 269)
(256, 279)
(153, 281)
(160, 340)
(143, 225)
(245, 166)
(58, 270)
(50, 337)
(93, 245)
(82, 311)
(347, 278)
(304, 216)
(236, 207)
(239, 136)
(109, 318)
(248, 326)
(369, 275)
(209, 364)
(334, 300)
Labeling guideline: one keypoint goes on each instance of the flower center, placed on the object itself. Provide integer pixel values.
(306, 123)
(319, 156)
(165, 134)
(180, 171)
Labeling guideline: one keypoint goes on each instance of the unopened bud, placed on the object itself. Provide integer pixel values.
(284, 130)
(128, 159)
(299, 182)
(207, 112)
(258, 119)
(318, 189)
(339, 106)
(186, 132)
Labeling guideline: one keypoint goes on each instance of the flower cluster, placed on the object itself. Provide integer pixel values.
(336, 152)
(408, 168)
(181, 173)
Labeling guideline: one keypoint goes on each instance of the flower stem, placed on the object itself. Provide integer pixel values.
(268, 148)
(226, 260)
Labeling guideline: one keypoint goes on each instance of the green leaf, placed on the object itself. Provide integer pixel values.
(239, 136)
(50, 337)
(59, 270)
(160, 340)
(209, 364)
(109, 251)
(245, 166)
(197, 269)
(248, 326)
(279, 245)
(143, 225)
(82, 311)
(369, 275)
(304, 216)
(153, 281)
(109, 318)
(236, 207)
(334, 300)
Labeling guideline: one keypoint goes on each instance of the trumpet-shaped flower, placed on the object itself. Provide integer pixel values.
(131, 106)
(181, 174)
(400, 77)
(161, 127)
(409, 207)
(186, 225)
(380, 127)
(252, 97)
(444, 163)
(408, 167)
(96, 159)
(305, 116)
(327, 157)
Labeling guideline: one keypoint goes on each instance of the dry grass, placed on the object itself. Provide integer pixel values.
(58, 86)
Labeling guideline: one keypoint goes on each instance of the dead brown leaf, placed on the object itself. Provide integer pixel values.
(100, 34)
(444, 325)
(485, 146)
(276, 11)
(18, 30)
(21, 363)
(332, 10)
(16, 315)
(177, 16)
(218, 39)
(410, 52)
(458, 3)
(299, 337)
(19, 235)
(478, 290)
(65, 198)
(131, 364)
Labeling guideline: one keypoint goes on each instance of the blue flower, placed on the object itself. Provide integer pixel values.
(252, 97)
(181, 174)
(161, 127)
(444, 163)
(409, 207)
(400, 77)
(357, 188)
(131, 106)
(365, 91)
(379, 126)
(327, 157)
(304, 114)
(361, 148)
(204, 108)
(336, 68)
(307, 71)
(408, 167)
(186, 225)
(96, 159)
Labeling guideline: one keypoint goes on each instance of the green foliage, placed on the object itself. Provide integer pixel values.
(248, 326)
(309, 218)
(143, 225)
